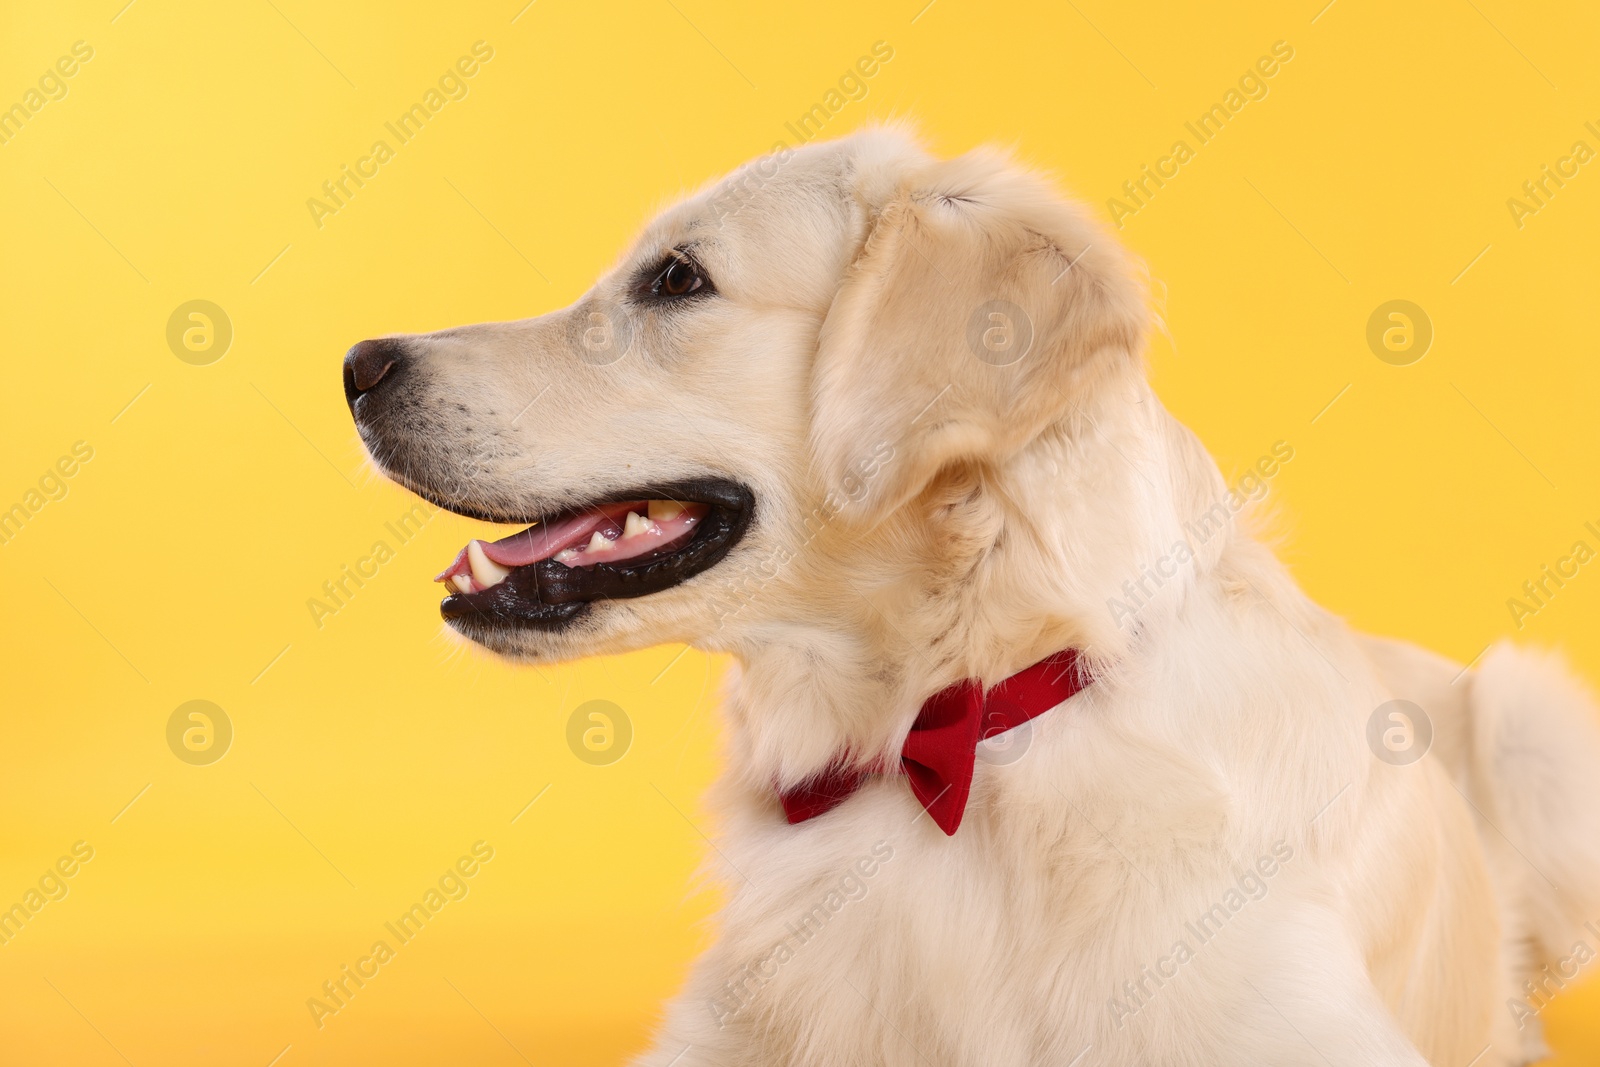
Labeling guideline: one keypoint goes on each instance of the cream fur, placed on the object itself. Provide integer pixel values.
(925, 515)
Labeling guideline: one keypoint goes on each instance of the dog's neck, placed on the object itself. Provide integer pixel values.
(982, 574)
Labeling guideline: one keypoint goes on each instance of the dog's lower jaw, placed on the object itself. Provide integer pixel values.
(519, 643)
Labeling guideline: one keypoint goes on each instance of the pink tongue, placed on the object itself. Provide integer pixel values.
(543, 541)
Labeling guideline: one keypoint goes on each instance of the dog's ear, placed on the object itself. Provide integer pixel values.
(980, 307)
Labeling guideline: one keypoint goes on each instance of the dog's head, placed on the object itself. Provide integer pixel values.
(734, 425)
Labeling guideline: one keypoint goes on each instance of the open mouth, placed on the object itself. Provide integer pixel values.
(629, 546)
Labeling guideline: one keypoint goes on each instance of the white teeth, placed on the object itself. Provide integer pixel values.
(484, 569)
(635, 525)
(566, 555)
(462, 582)
(598, 542)
(664, 510)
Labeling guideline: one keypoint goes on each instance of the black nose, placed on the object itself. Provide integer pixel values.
(369, 363)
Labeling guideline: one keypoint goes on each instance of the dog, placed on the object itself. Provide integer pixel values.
(877, 425)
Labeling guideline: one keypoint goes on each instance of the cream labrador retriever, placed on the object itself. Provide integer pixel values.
(1035, 757)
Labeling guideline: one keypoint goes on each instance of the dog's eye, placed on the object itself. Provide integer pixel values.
(679, 276)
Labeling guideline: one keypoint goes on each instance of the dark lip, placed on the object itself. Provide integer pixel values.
(550, 596)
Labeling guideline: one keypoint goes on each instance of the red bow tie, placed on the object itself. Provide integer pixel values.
(939, 752)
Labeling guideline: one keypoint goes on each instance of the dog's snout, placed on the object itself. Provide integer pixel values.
(368, 364)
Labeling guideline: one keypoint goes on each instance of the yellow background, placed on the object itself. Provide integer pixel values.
(368, 753)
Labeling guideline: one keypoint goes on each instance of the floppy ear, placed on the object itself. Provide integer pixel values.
(981, 306)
